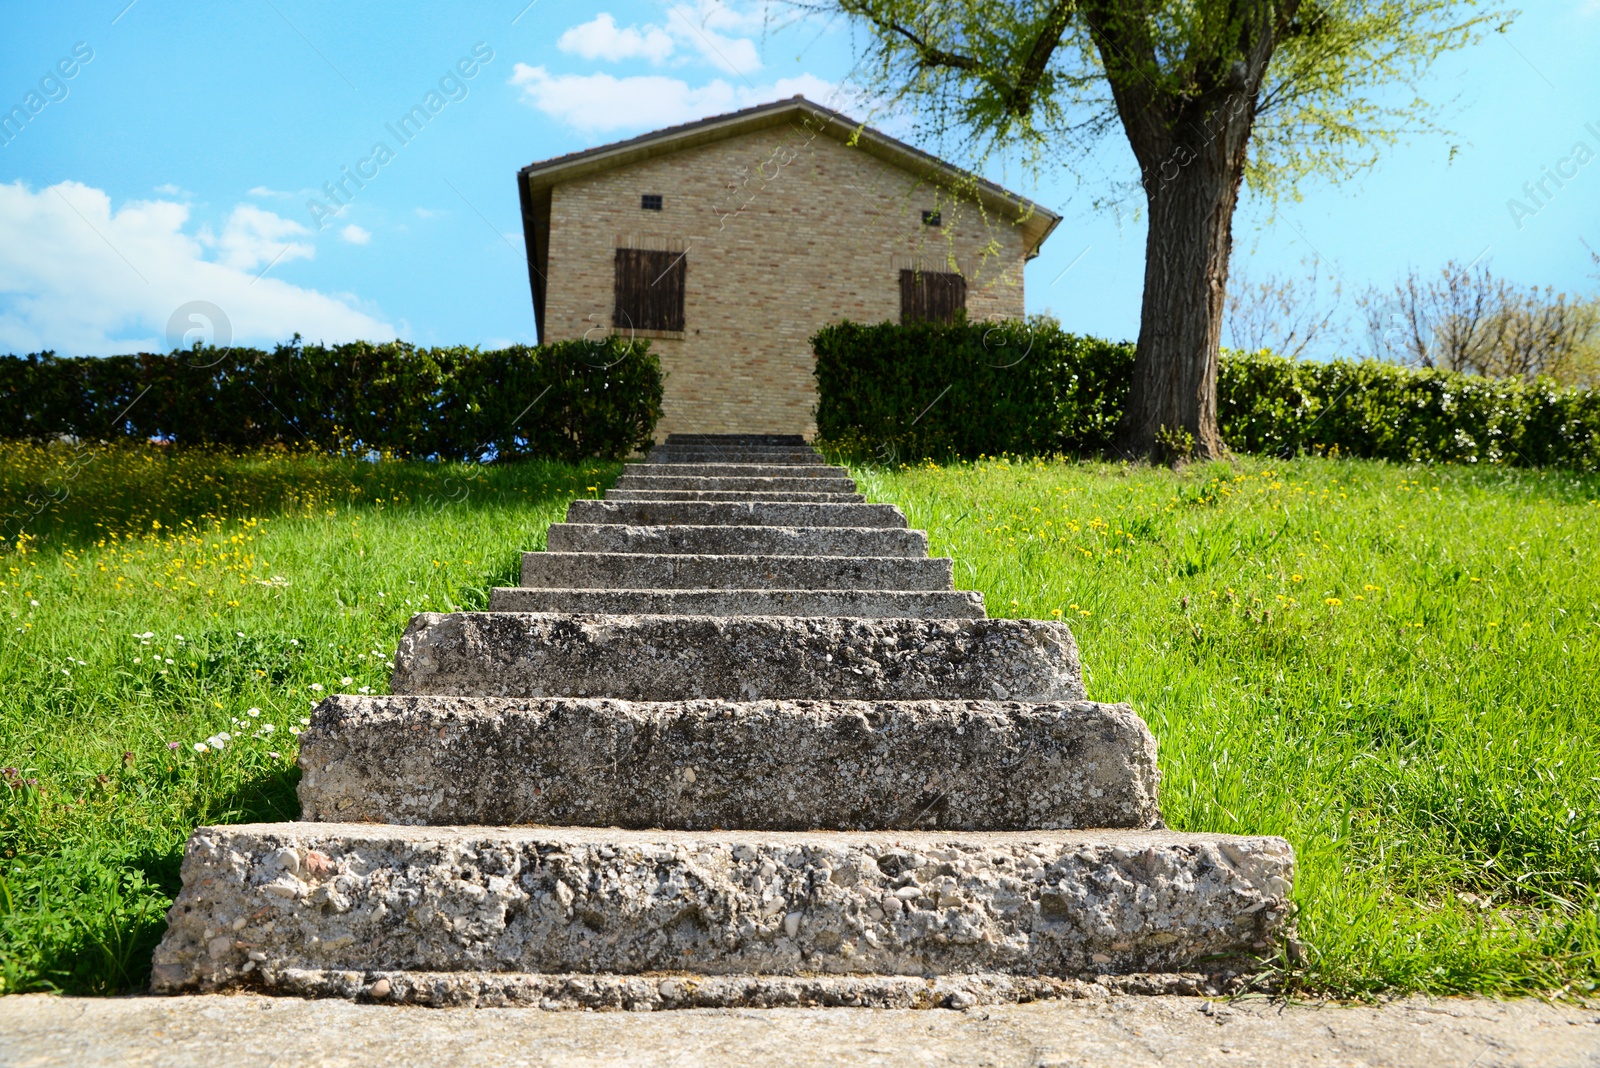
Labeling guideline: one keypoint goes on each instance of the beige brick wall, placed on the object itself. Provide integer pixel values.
(785, 232)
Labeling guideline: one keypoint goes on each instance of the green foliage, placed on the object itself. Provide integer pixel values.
(1044, 78)
(1269, 404)
(891, 392)
(563, 401)
(1392, 666)
(1328, 107)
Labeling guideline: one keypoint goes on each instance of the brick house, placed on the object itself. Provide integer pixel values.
(729, 241)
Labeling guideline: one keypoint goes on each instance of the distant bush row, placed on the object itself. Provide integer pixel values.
(1028, 388)
(563, 401)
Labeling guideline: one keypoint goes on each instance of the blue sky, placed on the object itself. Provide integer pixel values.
(186, 158)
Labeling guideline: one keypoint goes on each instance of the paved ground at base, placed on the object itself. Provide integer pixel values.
(248, 1030)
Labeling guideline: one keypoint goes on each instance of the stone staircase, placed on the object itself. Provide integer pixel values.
(735, 741)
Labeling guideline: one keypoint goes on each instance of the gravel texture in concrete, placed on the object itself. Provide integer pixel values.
(740, 658)
(680, 571)
(1105, 1031)
(341, 897)
(774, 765)
(736, 541)
(861, 604)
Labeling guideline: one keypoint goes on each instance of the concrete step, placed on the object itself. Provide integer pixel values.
(771, 765)
(680, 571)
(740, 455)
(736, 541)
(731, 495)
(740, 658)
(735, 513)
(643, 481)
(735, 470)
(261, 902)
(859, 604)
(786, 440)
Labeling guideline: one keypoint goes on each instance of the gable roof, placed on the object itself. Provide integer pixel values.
(1037, 220)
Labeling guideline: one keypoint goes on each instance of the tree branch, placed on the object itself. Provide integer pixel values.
(1018, 93)
(927, 54)
(1044, 47)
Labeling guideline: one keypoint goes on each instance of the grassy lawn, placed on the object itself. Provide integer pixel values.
(1394, 667)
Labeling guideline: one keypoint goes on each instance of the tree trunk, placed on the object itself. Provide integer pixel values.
(1188, 119)
(1172, 408)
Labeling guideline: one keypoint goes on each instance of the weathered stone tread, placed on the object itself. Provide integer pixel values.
(774, 456)
(628, 494)
(713, 482)
(750, 658)
(735, 513)
(715, 470)
(771, 765)
(679, 571)
(859, 604)
(736, 540)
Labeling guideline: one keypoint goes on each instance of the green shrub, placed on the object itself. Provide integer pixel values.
(563, 401)
(890, 392)
(1023, 387)
(1270, 404)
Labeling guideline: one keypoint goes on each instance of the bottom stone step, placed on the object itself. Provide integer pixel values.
(270, 900)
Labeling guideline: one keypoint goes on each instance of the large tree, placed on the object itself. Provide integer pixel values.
(1211, 94)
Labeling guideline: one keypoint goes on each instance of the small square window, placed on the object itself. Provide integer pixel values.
(650, 202)
(930, 218)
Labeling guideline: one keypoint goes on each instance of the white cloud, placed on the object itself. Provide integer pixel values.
(356, 235)
(170, 190)
(710, 30)
(265, 192)
(599, 38)
(701, 31)
(602, 102)
(80, 278)
(253, 238)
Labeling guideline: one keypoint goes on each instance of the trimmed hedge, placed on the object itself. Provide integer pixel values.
(894, 392)
(564, 401)
(967, 389)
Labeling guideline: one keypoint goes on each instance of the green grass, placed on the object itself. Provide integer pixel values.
(1428, 742)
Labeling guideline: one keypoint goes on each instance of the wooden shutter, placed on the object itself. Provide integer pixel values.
(931, 296)
(649, 290)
